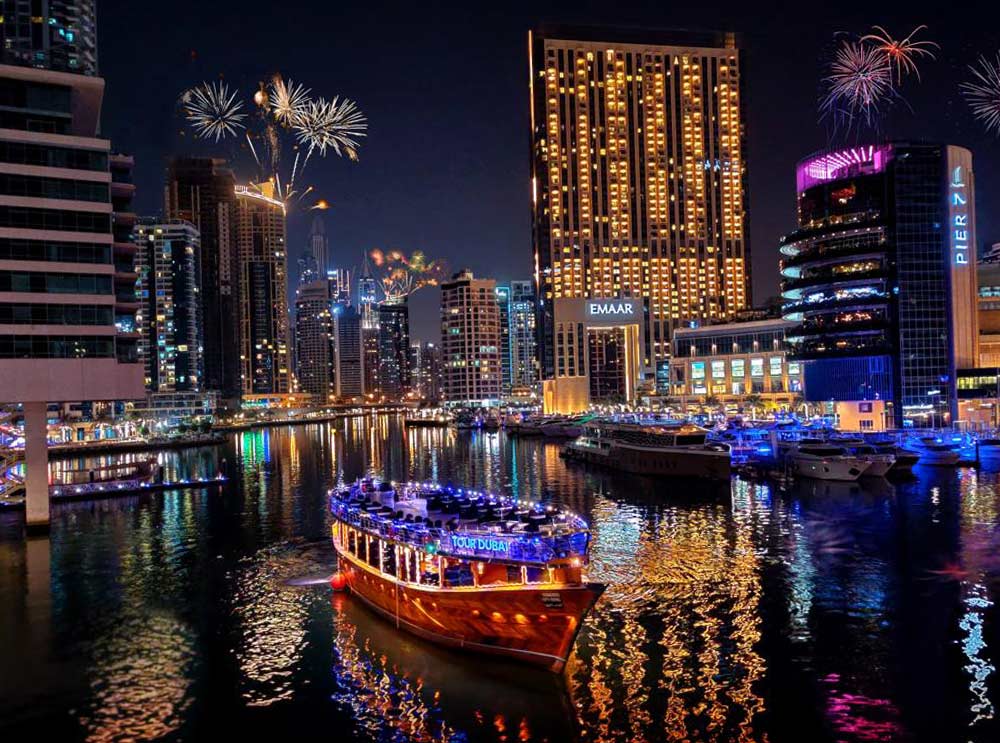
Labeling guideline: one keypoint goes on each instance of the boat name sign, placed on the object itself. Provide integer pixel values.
(466, 543)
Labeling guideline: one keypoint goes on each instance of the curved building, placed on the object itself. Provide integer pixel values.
(880, 280)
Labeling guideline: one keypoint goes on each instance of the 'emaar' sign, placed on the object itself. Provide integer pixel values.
(611, 308)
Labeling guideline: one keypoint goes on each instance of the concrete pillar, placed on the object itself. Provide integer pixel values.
(36, 465)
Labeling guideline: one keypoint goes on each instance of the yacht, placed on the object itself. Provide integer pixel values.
(935, 452)
(880, 461)
(651, 448)
(988, 450)
(824, 461)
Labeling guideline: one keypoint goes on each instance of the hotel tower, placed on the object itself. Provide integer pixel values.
(638, 177)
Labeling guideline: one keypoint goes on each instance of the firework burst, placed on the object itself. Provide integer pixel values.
(288, 101)
(901, 54)
(401, 276)
(212, 111)
(860, 81)
(335, 125)
(983, 92)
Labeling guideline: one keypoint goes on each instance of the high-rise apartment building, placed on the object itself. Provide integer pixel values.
(202, 191)
(394, 349)
(523, 335)
(368, 308)
(425, 363)
(67, 292)
(506, 357)
(339, 280)
(314, 340)
(167, 291)
(348, 364)
(470, 341)
(263, 297)
(880, 280)
(58, 35)
(638, 194)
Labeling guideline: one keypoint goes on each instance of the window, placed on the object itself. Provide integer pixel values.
(737, 368)
(698, 370)
(775, 366)
(864, 407)
(718, 370)
(756, 367)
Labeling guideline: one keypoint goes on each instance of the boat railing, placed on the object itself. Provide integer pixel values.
(533, 547)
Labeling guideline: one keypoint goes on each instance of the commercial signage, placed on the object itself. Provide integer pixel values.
(959, 202)
(475, 544)
(614, 310)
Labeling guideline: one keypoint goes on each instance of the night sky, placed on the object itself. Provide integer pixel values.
(445, 166)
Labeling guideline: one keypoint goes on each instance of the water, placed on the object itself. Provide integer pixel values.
(833, 612)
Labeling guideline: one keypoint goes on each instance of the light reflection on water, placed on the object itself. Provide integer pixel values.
(829, 611)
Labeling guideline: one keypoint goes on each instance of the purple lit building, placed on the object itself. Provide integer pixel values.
(880, 279)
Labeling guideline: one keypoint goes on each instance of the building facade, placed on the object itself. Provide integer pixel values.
(202, 191)
(348, 359)
(425, 363)
(368, 308)
(880, 277)
(314, 340)
(523, 336)
(67, 291)
(506, 350)
(263, 298)
(394, 349)
(988, 278)
(166, 263)
(58, 35)
(638, 189)
(732, 362)
(472, 368)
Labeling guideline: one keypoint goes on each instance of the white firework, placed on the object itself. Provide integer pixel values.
(983, 93)
(335, 125)
(288, 101)
(860, 80)
(213, 111)
(902, 53)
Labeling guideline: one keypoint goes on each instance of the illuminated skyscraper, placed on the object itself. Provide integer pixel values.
(348, 366)
(394, 349)
(523, 335)
(167, 290)
(639, 192)
(202, 191)
(314, 339)
(263, 298)
(470, 341)
(506, 357)
(368, 307)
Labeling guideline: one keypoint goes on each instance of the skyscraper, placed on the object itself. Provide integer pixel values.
(506, 358)
(56, 35)
(394, 349)
(638, 192)
(67, 324)
(368, 308)
(314, 340)
(880, 278)
(166, 263)
(425, 366)
(523, 335)
(263, 295)
(201, 190)
(470, 341)
(348, 366)
(313, 263)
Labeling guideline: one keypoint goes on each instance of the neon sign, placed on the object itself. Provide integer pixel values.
(610, 308)
(475, 544)
(959, 199)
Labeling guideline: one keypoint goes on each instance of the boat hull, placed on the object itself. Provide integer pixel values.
(694, 463)
(828, 468)
(536, 626)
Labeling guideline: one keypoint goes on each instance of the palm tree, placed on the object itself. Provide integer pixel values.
(753, 401)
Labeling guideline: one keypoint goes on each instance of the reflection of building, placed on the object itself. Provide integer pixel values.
(638, 183)
(470, 341)
(50, 34)
(732, 361)
(67, 321)
(348, 363)
(263, 300)
(394, 349)
(166, 263)
(523, 335)
(883, 297)
(314, 339)
(425, 366)
(201, 190)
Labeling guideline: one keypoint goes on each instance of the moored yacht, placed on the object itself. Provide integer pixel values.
(935, 452)
(651, 448)
(824, 461)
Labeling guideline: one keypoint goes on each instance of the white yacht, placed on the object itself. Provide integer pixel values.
(935, 452)
(823, 461)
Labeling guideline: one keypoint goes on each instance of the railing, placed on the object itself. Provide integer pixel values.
(482, 544)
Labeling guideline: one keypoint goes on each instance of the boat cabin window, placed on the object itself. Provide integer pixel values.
(457, 573)
(352, 542)
(536, 575)
(429, 575)
(388, 558)
(373, 547)
(690, 440)
(497, 574)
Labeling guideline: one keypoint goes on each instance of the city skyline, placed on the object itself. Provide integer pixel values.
(477, 162)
